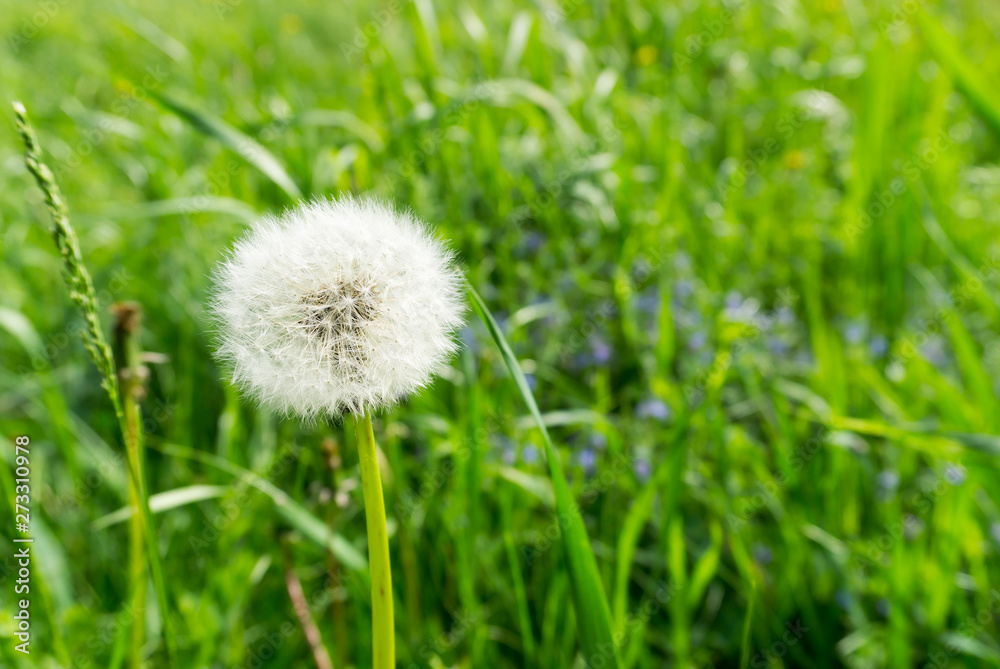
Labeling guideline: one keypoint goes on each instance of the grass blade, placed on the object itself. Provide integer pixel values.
(951, 56)
(592, 610)
(248, 148)
(337, 118)
(163, 501)
(294, 513)
(747, 623)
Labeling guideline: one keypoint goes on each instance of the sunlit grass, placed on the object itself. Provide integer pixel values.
(746, 260)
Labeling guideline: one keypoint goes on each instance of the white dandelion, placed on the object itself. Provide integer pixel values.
(336, 306)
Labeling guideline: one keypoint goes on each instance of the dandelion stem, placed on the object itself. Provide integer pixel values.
(383, 634)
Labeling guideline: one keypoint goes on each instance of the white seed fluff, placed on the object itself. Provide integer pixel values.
(336, 305)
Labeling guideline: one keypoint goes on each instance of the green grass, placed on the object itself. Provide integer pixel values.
(745, 255)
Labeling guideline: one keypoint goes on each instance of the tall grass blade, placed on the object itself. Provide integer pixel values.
(81, 290)
(949, 53)
(747, 625)
(592, 611)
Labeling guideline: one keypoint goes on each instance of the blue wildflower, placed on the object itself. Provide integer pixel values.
(934, 352)
(534, 240)
(697, 340)
(854, 332)
(777, 346)
(784, 315)
(648, 301)
(652, 408)
(844, 599)
(683, 289)
(878, 346)
(600, 350)
(532, 381)
(734, 300)
(762, 555)
(884, 607)
(469, 339)
(888, 480)
(954, 474)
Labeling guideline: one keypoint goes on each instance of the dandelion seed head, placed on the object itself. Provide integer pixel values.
(336, 306)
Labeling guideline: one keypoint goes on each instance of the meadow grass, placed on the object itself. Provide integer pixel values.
(744, 255)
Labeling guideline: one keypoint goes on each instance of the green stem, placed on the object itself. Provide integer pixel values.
(126, 349)
(137, 577)
(383, 634)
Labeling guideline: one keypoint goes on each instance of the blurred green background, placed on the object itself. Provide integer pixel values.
(746, 252)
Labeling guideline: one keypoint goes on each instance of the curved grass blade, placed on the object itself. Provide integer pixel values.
(592, 611)
(950, 55)
(349, 122)
(162, 501)
(247, 147)
(182, 206)
(294, 513)
(537, 486)
(507, 91)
